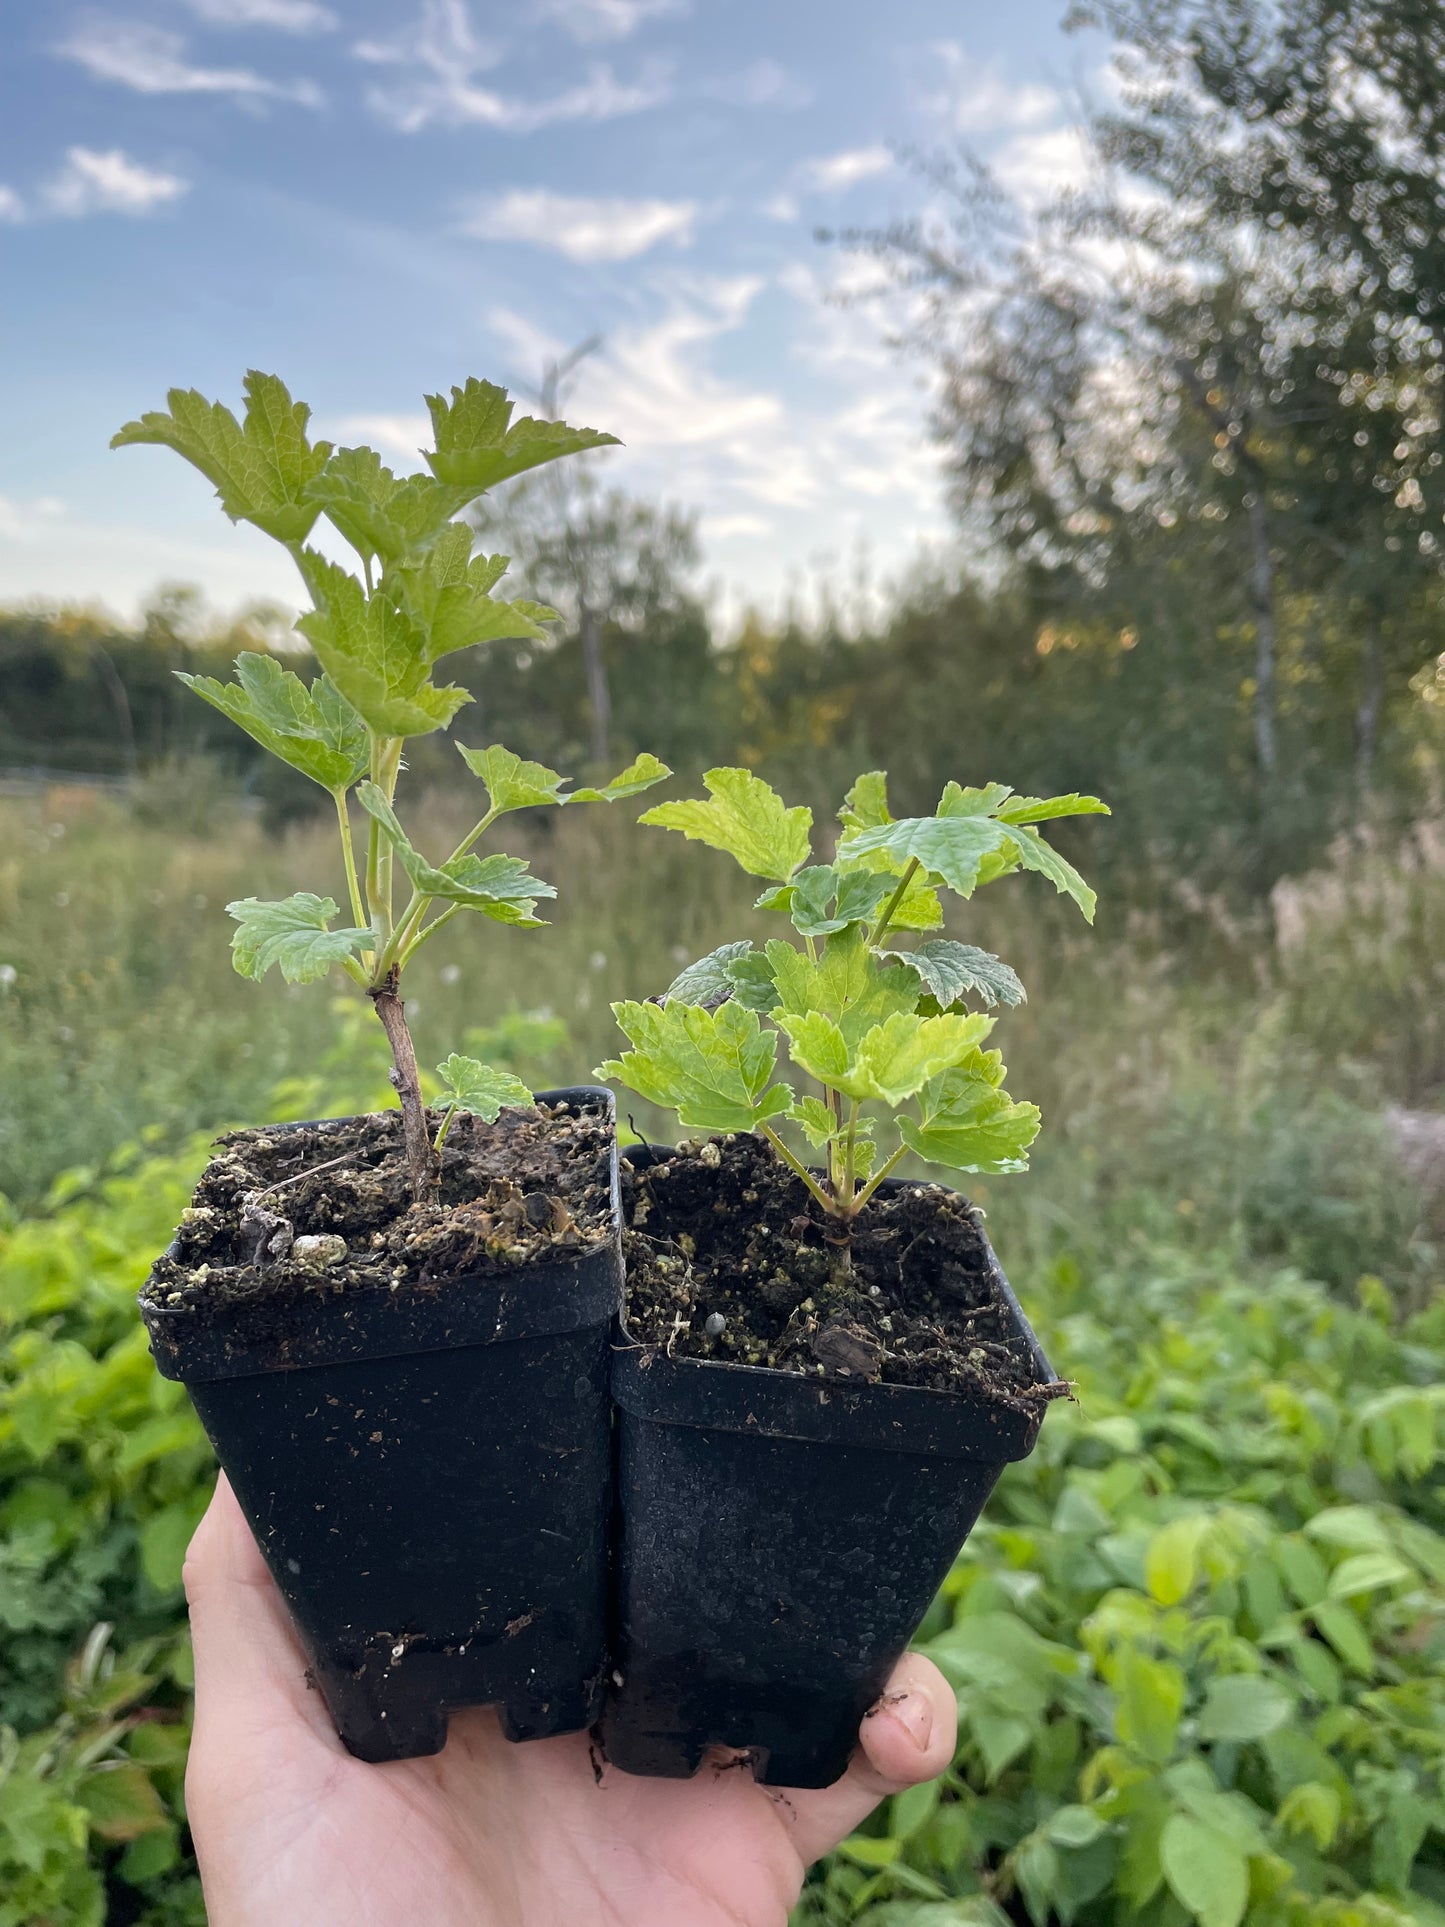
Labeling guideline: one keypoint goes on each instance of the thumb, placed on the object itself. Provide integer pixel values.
(906, 1738)
(250, 1669)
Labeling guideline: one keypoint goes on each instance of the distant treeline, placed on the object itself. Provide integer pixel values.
(957, 681)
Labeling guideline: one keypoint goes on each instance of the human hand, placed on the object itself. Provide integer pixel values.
(291, 1831)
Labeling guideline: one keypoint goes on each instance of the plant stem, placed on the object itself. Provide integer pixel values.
(878, 1176)
(343, 817)
(420, 1158)
(798, 1169)
(416, 940)
(891, 908)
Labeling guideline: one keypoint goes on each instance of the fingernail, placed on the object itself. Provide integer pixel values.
(915, 1715)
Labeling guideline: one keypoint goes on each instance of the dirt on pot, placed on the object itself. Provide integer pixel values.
(727, 1259)
(327, 1207)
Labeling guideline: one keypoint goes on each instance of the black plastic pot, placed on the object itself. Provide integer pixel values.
(429, 1478)
(781, 1539)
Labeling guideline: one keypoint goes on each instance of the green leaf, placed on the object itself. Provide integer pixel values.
(512, 784)
(291, 934)
(639, 775)
(816, 1045)
(753, 981)
(1171, 1564)
(262, 471)
(707, 982)
(1035, 854)
(446, 592)
(500, 887)
(1355, 1528)
(845, 983)
(1243, 1707)
(478, 444)
(951, 848)
(377, 513)
(1151, 1694)
(968, 1123)
(1040, 809)
(711, 1067)
(478, 1088)
(949, 969)
(1074, 1826)
(314, 730)
(745, 817)
(1313, 1809)
(121, 1802)
(1206, 1871)
(1348, 1637)
(816, 1119)
(375, 655)
(821, 900)
(898, 1057)
(1368, 1572)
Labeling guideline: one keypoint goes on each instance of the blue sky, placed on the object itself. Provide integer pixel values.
(375, 200)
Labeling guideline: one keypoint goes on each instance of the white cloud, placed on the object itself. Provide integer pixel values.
(12, 208)
(289, 16)
(832, 173)
(589, 20)
(441, 58)
(27, 521)
(975, 99)
(582, 229)
(1036, 167)
(151, 61)
(110, 183)
(764, 84)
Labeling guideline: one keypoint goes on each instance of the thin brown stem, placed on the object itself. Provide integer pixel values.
(420, 1158)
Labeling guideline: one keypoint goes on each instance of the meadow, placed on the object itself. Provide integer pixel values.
(1198, 1640)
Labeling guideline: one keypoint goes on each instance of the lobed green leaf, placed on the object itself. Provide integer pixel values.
(315, 730)
(710, 1066)
(373, 652)
(293, 935)
(478, 1088)
(478, 444)
(747, 818)
(949, 969)
(499, 887)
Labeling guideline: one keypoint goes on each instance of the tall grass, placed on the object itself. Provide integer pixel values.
(1219, 1089)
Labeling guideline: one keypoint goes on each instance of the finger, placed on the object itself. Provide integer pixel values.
(908, 1737)
(250, 1669)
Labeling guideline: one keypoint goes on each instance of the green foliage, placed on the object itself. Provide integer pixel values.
(378, 640)
(867, 1023)
(294, 935)
(1198, 1639)
(478, 1088)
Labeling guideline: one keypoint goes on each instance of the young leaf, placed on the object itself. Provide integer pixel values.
(314, 730)
(710, 1066)
(897, 1058)
(754, 984)
(375, 512)
(638, 776)
(845, 984)
(478, 1088)
(949, 969)
(817, 1120)
(816, 1045)
(512, 784)
(1207, 1871)
(865, 807)
(261, 471)
(708, 982)
(447, 594)
(478, 444)
(820, 900)
(1040, 809)
(746, 817)
(375, 655)
(969, 1124)
(500, 887)
(292, 934)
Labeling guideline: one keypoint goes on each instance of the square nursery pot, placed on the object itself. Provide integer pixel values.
(428, 1474)
(781, 1538)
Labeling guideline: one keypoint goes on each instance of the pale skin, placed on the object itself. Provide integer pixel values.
(290, 1828)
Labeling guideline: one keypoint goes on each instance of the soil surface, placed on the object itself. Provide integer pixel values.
(721, 1230)
(328, 1207)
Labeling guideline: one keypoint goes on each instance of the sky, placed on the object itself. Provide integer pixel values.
(377, 198)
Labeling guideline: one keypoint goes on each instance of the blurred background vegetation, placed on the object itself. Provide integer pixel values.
(1193, 418)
